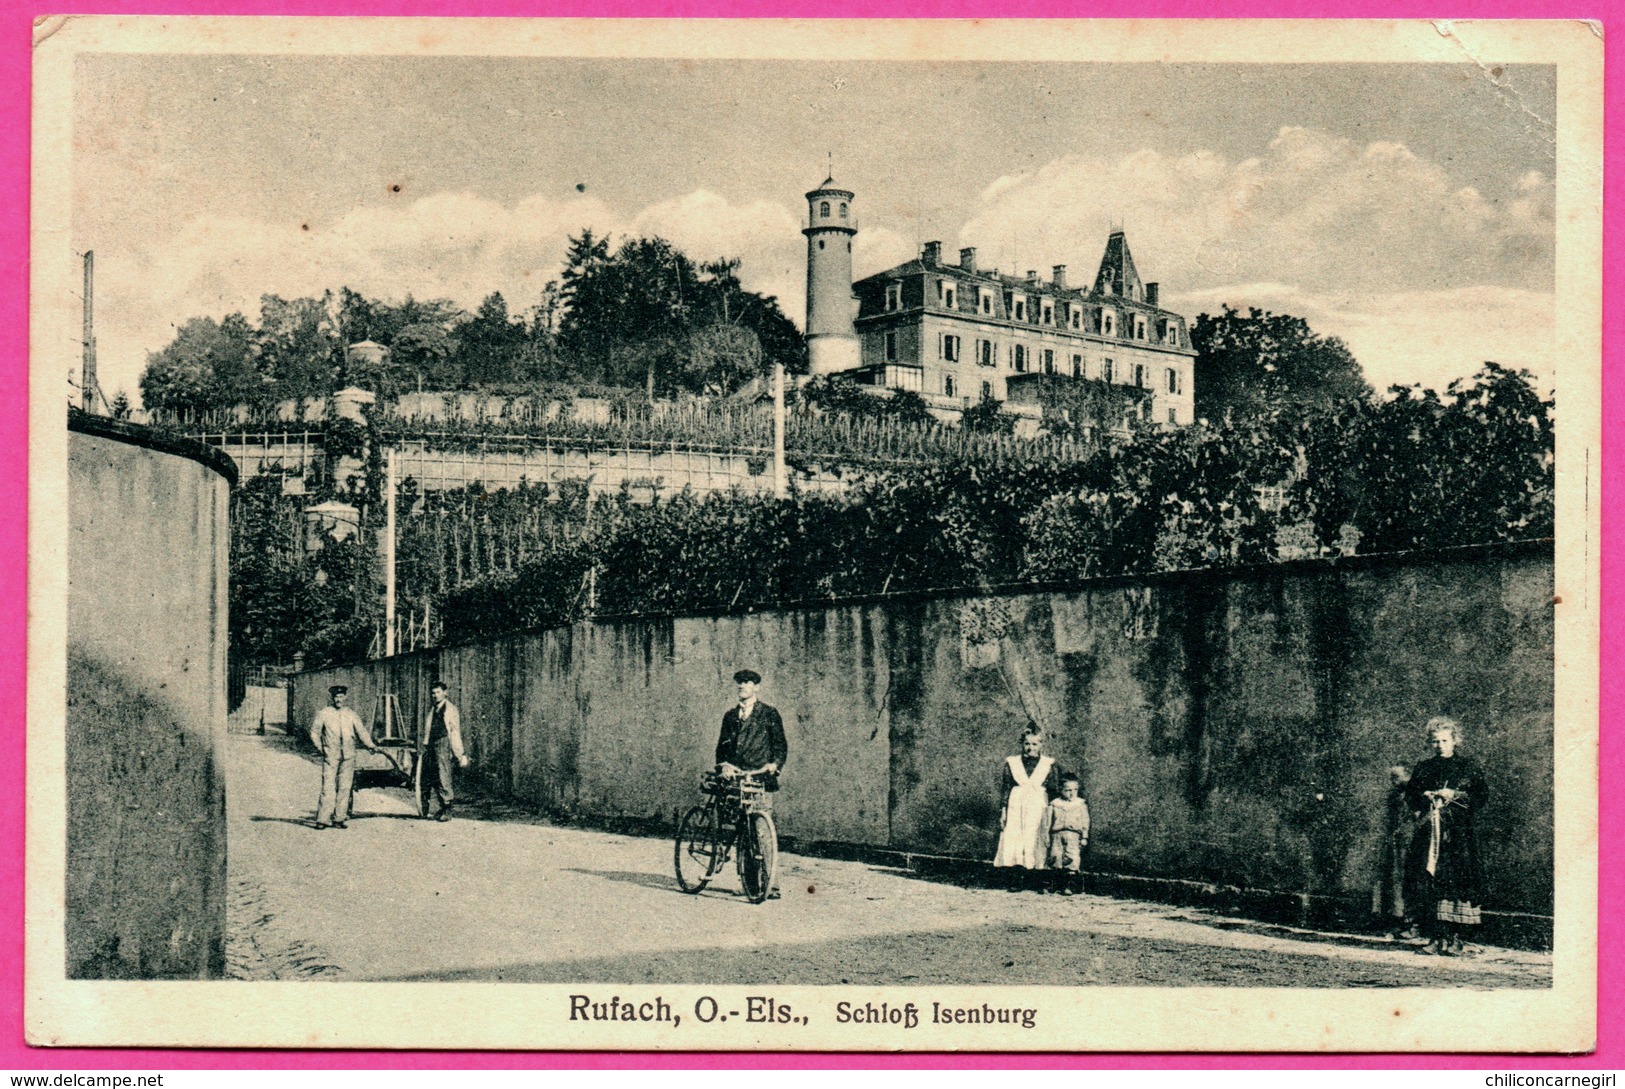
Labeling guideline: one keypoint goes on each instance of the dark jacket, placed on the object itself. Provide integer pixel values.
(756, 741)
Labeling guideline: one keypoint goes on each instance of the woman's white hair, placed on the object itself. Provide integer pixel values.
(1439, 723)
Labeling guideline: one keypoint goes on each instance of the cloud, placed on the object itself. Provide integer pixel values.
(1423, 278)
(447, 245)
(1312, 209)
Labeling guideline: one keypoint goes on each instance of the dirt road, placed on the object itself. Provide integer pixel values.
(497, 895)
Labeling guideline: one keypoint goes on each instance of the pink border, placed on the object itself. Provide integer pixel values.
(14, 177)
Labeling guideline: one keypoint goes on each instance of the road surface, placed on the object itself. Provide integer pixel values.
(501, 895)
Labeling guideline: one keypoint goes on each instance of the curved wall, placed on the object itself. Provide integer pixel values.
(147, 564)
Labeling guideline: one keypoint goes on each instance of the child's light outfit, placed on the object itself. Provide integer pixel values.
(1068, 832)
(1022, 842)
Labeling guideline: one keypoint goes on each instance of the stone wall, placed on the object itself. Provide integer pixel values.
(147, 562)
(1230, 728)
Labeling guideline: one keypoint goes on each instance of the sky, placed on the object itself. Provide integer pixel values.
(1408, 209)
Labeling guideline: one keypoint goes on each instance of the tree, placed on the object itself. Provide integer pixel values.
(988, 417)
(1246, 366)
(208, 365)
(490, 346)
(721, 358)
(298, 348)
(120, 408)
(419, 355)
(639, 315)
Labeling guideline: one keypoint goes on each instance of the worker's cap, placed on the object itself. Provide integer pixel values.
(747, 675)
(338, 690)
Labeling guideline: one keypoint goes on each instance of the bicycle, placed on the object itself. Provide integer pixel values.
(730, 822)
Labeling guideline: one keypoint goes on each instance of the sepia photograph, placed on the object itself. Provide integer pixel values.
(814, 535)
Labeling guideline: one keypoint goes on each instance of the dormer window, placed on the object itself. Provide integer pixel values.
(1049, 313)
(1108, 323)
(1018, 308)
(823, 209)
(1074, 315)
(984, 298)
(1139, 327)
(894, 296)
(946, 295)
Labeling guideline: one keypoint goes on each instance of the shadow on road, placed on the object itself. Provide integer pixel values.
(628, 877)
(993, 954)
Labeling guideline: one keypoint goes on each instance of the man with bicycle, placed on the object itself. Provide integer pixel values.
(752, 741)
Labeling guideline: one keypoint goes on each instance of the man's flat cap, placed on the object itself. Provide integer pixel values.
(338, 690)
(747, 675)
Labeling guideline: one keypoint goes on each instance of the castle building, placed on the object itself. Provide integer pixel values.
(957, 333)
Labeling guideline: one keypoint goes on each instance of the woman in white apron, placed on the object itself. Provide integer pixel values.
(1024, 840)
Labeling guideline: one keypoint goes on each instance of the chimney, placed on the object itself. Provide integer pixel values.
(1032, 276)
(933, 253)
(967, 258)
(1059, 274)
(1151, 294)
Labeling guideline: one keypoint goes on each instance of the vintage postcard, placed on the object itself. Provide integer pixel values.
(851, 535)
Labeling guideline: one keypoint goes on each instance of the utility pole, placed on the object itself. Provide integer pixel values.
(88, 390)
(389, 553)
(779, 484)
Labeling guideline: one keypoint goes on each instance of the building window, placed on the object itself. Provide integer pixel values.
(1139, 327)
(820, 243)
(1139, 375)
(985, 298)
(948, 385)
(843, 209)
(1172, 418)
(945, 294)
(1077, 365)
(950, 347)
(823, 210)
(987, 391)
(894, 296)
(1173, 380)
(1049, 314)
(1108, 371)
(1049, 361)
(1074, 314)
(984, 353)
(891, 347)
(1018, 357)
(1108, 323)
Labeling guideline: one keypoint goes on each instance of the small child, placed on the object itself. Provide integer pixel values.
(1068, 837)
(1388, 892)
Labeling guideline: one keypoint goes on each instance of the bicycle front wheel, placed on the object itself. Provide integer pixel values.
(759, 857)
(695, 852)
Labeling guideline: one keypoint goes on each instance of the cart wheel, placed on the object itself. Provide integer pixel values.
(696, 848)
(420, 793)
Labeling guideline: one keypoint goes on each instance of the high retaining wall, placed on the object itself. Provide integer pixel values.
(1230, 728)
(147, 563)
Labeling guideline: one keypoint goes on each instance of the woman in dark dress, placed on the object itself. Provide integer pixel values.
(1444, 874)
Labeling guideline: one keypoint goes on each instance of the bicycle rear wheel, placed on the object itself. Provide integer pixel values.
(758, 857)
(695, 851)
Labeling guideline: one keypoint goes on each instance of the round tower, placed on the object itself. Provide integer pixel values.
(832, 344)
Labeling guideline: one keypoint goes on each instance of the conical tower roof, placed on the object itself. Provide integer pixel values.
(1117, 275)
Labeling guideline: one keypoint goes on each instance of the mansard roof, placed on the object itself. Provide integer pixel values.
(1117, 257)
